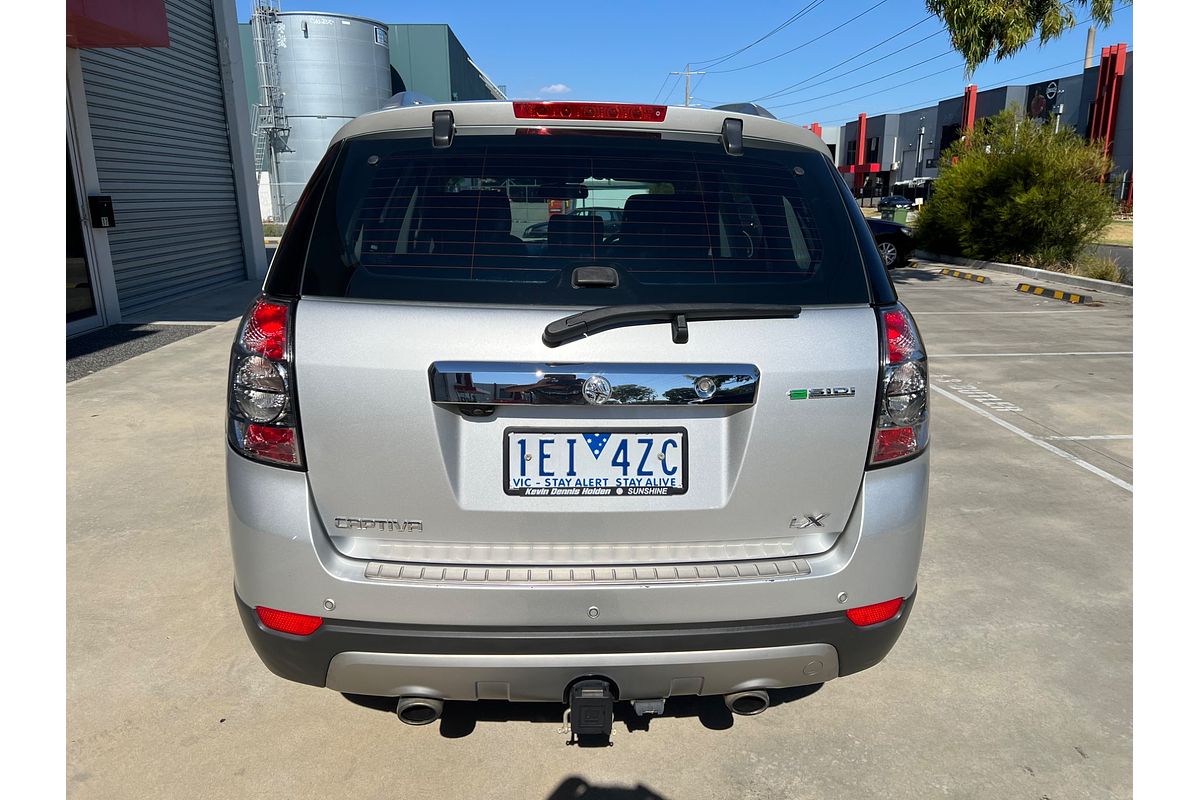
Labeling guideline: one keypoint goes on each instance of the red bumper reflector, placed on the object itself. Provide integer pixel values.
(872, 615)
(287, 622)
(617, 112)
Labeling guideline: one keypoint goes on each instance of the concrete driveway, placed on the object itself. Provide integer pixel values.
(1012, 679)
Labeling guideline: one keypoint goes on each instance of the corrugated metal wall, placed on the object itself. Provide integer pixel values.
(159, 133)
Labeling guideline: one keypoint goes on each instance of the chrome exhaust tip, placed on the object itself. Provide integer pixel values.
(747, 704)
(418, 710)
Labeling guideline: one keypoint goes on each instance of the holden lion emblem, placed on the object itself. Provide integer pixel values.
(597, 390)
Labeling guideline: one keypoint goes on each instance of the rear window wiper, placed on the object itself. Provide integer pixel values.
(585, 323)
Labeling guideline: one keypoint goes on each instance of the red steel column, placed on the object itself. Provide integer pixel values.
(967, 126)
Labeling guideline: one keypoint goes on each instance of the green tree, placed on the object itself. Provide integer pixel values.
(1017, 191)
(979, 28)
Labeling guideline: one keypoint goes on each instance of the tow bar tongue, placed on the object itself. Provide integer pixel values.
(591, 712)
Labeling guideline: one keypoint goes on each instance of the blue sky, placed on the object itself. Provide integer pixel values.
(623, 51)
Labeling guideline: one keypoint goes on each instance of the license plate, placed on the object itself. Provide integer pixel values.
(629, 462)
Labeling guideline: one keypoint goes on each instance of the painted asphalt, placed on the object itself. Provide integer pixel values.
(1011, 680)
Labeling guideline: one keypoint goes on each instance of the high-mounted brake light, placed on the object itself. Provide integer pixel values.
(288, 622)
(875, 614)
(616, 112)
(262, 405)
(902, 420)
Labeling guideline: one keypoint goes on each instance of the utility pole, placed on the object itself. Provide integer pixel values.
(687, 84)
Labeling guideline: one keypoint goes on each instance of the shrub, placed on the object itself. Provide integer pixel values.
(273, 228)
(1105, 269)
(1016, 190)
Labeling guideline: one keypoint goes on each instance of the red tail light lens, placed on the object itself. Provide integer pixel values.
(616, 112)
(901, 334)
(873, 615)
(902, 420)
(271, 444)
(287, 622)
(266, 329)
(894, 443)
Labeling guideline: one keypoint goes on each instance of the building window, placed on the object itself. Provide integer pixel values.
(852, 151)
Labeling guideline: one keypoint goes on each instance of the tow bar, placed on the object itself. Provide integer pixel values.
(591, 713)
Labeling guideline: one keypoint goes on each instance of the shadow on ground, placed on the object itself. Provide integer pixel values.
(576, 788)
(460, 718)
(914, 273)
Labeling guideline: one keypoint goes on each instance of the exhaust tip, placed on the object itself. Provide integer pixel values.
(747, 704)
(418, 710)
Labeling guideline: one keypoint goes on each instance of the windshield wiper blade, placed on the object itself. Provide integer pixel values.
(585, 323)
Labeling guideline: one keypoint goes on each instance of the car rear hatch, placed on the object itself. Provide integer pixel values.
(443, 423)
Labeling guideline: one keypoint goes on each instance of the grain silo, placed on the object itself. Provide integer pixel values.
(331, 68)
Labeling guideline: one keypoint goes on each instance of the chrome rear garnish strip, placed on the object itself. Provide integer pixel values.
(482, 383)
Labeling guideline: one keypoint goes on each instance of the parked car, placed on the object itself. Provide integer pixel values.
(894, 241)
(896, 201)
(610, 219)
(666, 464)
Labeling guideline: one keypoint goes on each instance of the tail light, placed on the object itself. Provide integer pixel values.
(263, 424)
(902, 420)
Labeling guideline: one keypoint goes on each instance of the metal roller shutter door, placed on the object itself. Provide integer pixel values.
(161, 143)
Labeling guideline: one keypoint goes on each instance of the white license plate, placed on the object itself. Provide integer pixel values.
(629, 462)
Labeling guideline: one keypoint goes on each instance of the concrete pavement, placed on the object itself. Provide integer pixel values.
(1011, 680)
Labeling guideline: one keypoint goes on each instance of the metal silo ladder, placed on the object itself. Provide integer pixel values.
(271, 126)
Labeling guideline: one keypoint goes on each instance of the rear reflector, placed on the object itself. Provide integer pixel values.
(617, 112)
(287, 622)
(873, 615)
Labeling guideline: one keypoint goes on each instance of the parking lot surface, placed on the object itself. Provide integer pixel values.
(1012, 679)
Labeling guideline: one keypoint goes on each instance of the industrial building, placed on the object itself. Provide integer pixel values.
(168, 128)
(899, 153)
(308, 73)
(161, 197)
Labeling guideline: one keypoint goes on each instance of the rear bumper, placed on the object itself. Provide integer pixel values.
(537, 664)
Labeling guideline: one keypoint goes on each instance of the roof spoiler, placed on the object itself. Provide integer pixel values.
(753, 109)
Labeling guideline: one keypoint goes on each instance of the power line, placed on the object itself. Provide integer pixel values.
(660, 88)
(671, 91)
(784, 90)
(871, 63)
(836, 92)
(712, 62)
(939, 72)
(878, 91)
(799, 46)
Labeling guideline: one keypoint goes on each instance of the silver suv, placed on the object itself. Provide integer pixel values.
(686, 458)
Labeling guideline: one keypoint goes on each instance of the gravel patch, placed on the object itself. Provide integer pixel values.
(92, 352)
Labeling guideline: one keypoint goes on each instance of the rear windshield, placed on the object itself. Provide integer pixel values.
(508, 220)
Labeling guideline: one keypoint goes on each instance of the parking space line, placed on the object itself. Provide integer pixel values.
(1105, 437)
(1048, 311)
(1113, 479)
(1028, 355)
